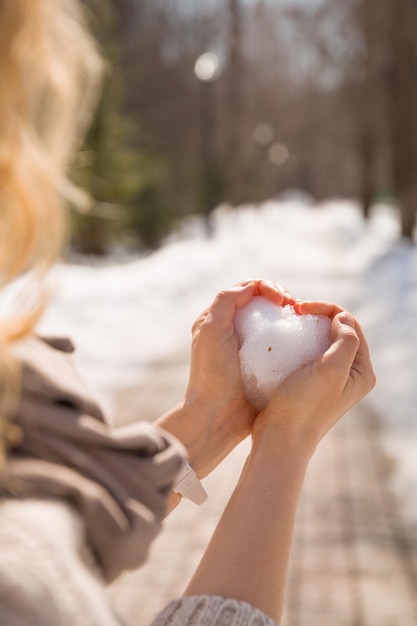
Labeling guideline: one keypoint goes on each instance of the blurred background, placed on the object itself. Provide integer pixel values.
(236, 101)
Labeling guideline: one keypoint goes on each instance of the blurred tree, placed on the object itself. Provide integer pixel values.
(369, 98)
(163, 98)
(211, 184)
(234, 74)
(106, 165)
(298, 62)
(109, 166)
(401, 83)
(150, 218)
(378, 101)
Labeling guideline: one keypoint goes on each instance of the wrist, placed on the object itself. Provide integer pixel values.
(272, 461)
(207, 431)
(286, 437)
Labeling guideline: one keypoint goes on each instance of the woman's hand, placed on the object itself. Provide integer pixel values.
(215, 415)
(313, 398)
(215, 374)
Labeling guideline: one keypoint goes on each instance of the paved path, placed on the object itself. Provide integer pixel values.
(354, 561)
(354, 558)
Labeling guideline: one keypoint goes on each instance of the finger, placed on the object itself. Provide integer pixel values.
(226, 302)
(275, 292)
(318, 308)
(238, 295)
(340, 357)
(362, 365)
(278, 294)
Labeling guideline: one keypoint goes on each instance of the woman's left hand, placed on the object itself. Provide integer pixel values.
(215, 415)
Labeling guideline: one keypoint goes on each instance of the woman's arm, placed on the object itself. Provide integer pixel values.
(247, 558)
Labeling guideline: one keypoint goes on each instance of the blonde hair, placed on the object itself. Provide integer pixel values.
(49, 78)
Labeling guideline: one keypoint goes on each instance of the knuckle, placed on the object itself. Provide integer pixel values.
(196, 327)
(353, 339)
(221, 297)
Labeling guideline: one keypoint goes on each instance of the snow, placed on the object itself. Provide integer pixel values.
(124, 317)
(275, 341)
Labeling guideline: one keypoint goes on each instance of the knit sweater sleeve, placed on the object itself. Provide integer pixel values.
(210, 611)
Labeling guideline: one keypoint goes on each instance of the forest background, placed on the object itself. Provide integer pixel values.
(318, 96)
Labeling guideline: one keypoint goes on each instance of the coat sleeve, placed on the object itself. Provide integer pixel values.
(118, 478)
(210, 611)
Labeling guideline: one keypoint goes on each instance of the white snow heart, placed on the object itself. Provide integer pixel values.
(275, 341)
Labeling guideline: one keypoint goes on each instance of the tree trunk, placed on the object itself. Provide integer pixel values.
(236, 148)
(369, 99)
(402, 93)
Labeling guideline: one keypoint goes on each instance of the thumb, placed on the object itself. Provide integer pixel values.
(344, 347)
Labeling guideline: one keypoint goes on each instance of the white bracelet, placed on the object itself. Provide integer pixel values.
(188, 485)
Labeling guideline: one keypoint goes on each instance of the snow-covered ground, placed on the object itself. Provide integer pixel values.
(125, 316)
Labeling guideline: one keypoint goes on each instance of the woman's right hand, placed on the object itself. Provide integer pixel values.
(285, 434)
(314, 397)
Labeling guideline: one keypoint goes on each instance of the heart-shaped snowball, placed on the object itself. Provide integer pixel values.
(275, 341)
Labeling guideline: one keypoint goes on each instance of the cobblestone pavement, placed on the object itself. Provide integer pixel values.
(354, 557)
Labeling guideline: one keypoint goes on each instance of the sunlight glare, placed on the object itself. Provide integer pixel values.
(207, 66)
